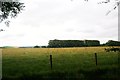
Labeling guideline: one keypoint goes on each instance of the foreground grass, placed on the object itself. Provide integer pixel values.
(68, 64)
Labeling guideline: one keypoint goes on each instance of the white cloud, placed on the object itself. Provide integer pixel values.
(43, 20)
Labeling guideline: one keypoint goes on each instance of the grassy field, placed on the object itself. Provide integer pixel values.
(68, 64)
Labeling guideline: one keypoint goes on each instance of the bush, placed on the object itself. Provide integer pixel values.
(113, 43)
(36, 46)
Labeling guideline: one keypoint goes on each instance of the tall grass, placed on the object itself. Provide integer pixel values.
(68, 63)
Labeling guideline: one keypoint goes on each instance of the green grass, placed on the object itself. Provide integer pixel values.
(68, 64)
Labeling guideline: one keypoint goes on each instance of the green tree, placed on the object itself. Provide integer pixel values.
(113, 43)
(36, 46)
(10, 10)
(92, 42)
(65, 43)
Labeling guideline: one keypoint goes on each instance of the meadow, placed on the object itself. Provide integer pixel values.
(68, 64)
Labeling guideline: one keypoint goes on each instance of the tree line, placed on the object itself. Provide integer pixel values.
(77, 43)
(72, 43)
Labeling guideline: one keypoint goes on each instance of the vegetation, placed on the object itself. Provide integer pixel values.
(36, 46)
(92, 43)
(68, 64)
(72, 43)
(65, 43)
(113, 43)
(10, 10)
(112, 49)
(80, 43)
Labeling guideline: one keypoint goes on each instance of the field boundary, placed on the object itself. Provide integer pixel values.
(1, 64)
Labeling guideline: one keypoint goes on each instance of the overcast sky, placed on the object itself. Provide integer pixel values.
(44, 20)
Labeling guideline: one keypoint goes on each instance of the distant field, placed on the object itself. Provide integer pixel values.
(68, 64)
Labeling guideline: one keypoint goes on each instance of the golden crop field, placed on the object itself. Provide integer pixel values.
(67, 62)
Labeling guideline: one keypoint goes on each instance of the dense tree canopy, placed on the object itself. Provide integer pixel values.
(72, 43)
(113, 43)
(9, 10)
